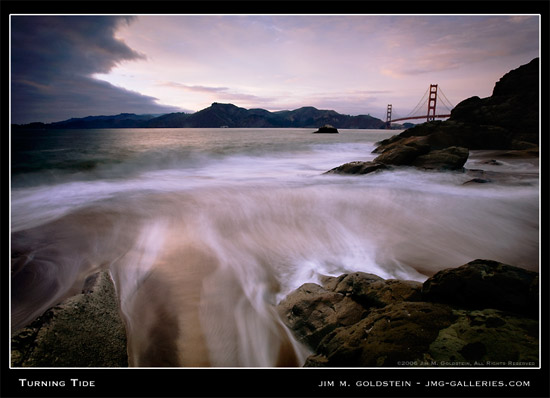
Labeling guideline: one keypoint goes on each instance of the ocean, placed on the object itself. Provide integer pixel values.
(204, 231)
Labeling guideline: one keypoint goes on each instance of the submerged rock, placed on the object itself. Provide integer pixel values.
(326, 129)
(478, 314)
(476, 181)
(358, 168)
(82, 331)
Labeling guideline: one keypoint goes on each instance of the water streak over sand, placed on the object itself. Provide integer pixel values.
(199, 273)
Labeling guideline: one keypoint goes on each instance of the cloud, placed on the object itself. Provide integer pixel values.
(222, 94)
(350, 101)
(77, 96)
(437, 44)
(53, 59)
(194, 88)
(251, 99)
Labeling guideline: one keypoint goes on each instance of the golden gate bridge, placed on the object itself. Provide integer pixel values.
(431, 95)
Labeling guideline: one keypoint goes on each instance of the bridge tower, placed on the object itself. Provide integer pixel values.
(432, 100)
(388, 117)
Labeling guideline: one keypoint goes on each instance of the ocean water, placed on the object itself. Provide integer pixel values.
(204, 231)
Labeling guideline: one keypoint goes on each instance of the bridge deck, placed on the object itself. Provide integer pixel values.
(417, 117)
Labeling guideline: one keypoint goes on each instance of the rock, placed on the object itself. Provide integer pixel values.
(451, 158)
(316, 361)
(480, 314)
(530, 149)
(384, 292)
(430, 335)
(400, 155)
(372, 291)
(484, 284)
(532, 152)
(312, 312)
(415, 151)
(489, 176)
(357, 168)
(326, 129)
(492, 162)
(397, 332)
(486, 337)
(442, 134)
(354, 284)
(436, 151)
(476, 181)
(82, 331)
(513, 105)
(419, 143)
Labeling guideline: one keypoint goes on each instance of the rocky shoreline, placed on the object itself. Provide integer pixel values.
(483, 313)
(508, 120)
(85, 330)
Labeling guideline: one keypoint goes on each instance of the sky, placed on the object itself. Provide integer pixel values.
(84, 65)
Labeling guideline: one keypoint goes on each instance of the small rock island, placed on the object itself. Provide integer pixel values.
(326, 129)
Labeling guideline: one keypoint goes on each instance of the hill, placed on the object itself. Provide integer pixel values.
(218, 115)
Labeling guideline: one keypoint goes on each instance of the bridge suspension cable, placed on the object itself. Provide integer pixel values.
(448, 104)
(419, 105)
(426, 107)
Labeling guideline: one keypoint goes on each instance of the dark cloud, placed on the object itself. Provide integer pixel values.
(53, 59)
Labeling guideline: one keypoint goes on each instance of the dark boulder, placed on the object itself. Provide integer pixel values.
(484, 284)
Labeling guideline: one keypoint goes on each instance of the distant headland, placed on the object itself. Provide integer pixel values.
(220, 115)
